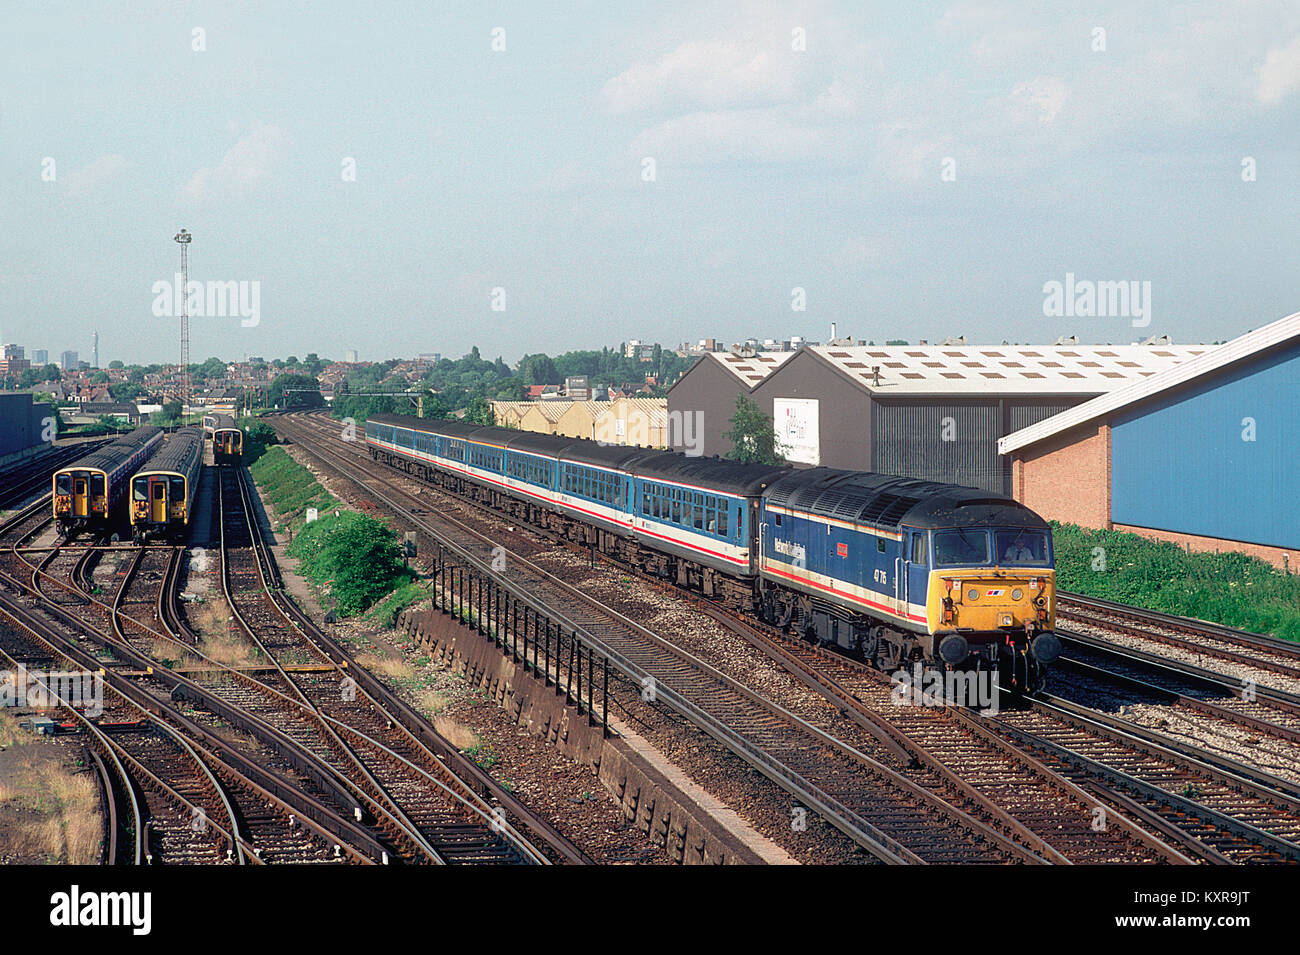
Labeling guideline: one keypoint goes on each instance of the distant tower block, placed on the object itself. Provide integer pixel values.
(183, 238)
(94, 350)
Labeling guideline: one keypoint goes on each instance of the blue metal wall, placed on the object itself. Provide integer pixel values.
(1180, 463)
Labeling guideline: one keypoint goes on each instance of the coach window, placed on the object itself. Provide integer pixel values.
(722, 521)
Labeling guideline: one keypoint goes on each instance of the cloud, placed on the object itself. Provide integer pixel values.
(1040, 98)
(707, 74)
(246, 165)
(757, 135)
(1280, 74)
(88, 178)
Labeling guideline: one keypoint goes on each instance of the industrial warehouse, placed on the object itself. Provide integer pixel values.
(931, 412)
(1202, 453)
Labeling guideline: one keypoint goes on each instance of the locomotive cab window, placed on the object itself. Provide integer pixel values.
(140, 489)
(63, 483)
(961, 546)
(1020, 547)
(918, 550)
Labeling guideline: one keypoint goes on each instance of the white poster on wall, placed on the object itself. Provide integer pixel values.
(797, 429)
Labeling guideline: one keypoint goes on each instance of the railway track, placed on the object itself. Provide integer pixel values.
(169, 797)
(1266, 661)
(1235, 837)
(134, 641)
(699, 685)
(448, 818)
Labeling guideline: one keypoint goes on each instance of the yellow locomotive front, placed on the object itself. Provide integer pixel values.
(991, 601)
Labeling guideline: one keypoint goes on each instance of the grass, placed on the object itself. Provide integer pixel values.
(290, 487)
(386, 610)
(1231, 588)
(354, 558)
(49, 812)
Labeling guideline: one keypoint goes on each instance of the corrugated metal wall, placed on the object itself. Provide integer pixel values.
(944, 441)
(1182, 463)
(952, 439)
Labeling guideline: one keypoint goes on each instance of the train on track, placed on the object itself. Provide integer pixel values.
(894, 569)
(162, 493)
(227, 441)
(88, 492)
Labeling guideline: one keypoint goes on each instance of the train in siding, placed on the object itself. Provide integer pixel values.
(893, 569)
(162, 492)
(209, 425)
(227, 441)
(88, 492)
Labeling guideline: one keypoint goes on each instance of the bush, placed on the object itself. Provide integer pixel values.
(1231, 588)
(358, 557)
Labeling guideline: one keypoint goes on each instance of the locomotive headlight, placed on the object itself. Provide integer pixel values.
(1017, 594)
(1041, 601)
(972, 594)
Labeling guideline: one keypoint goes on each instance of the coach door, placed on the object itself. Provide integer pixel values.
(158, 500)
(80, 499)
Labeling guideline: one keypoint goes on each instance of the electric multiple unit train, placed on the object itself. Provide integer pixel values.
(227, 441)
(162, 493)
(88, 491)
(894, 569)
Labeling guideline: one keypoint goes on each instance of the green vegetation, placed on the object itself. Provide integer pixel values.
(385, 611)
(107, 424)
(304, 391)
(289, 486)
(355, 555)
(752, 435)
(1232, 589)
(258, 436)
(357, 558)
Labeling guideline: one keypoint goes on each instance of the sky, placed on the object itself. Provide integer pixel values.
(397, 178)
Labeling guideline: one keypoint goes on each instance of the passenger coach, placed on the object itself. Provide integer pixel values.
(227, 441)
(162, 494)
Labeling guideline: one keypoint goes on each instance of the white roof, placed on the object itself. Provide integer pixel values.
(1218, 356)
(1002, 369)
(751, 369)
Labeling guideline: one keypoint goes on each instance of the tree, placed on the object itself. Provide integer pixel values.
(752, 435)
(116, 365)
(125, 391)
(291, 382)
(480, 412)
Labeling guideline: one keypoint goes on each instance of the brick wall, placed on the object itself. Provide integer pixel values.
(1279, 557)
(1067, 478)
